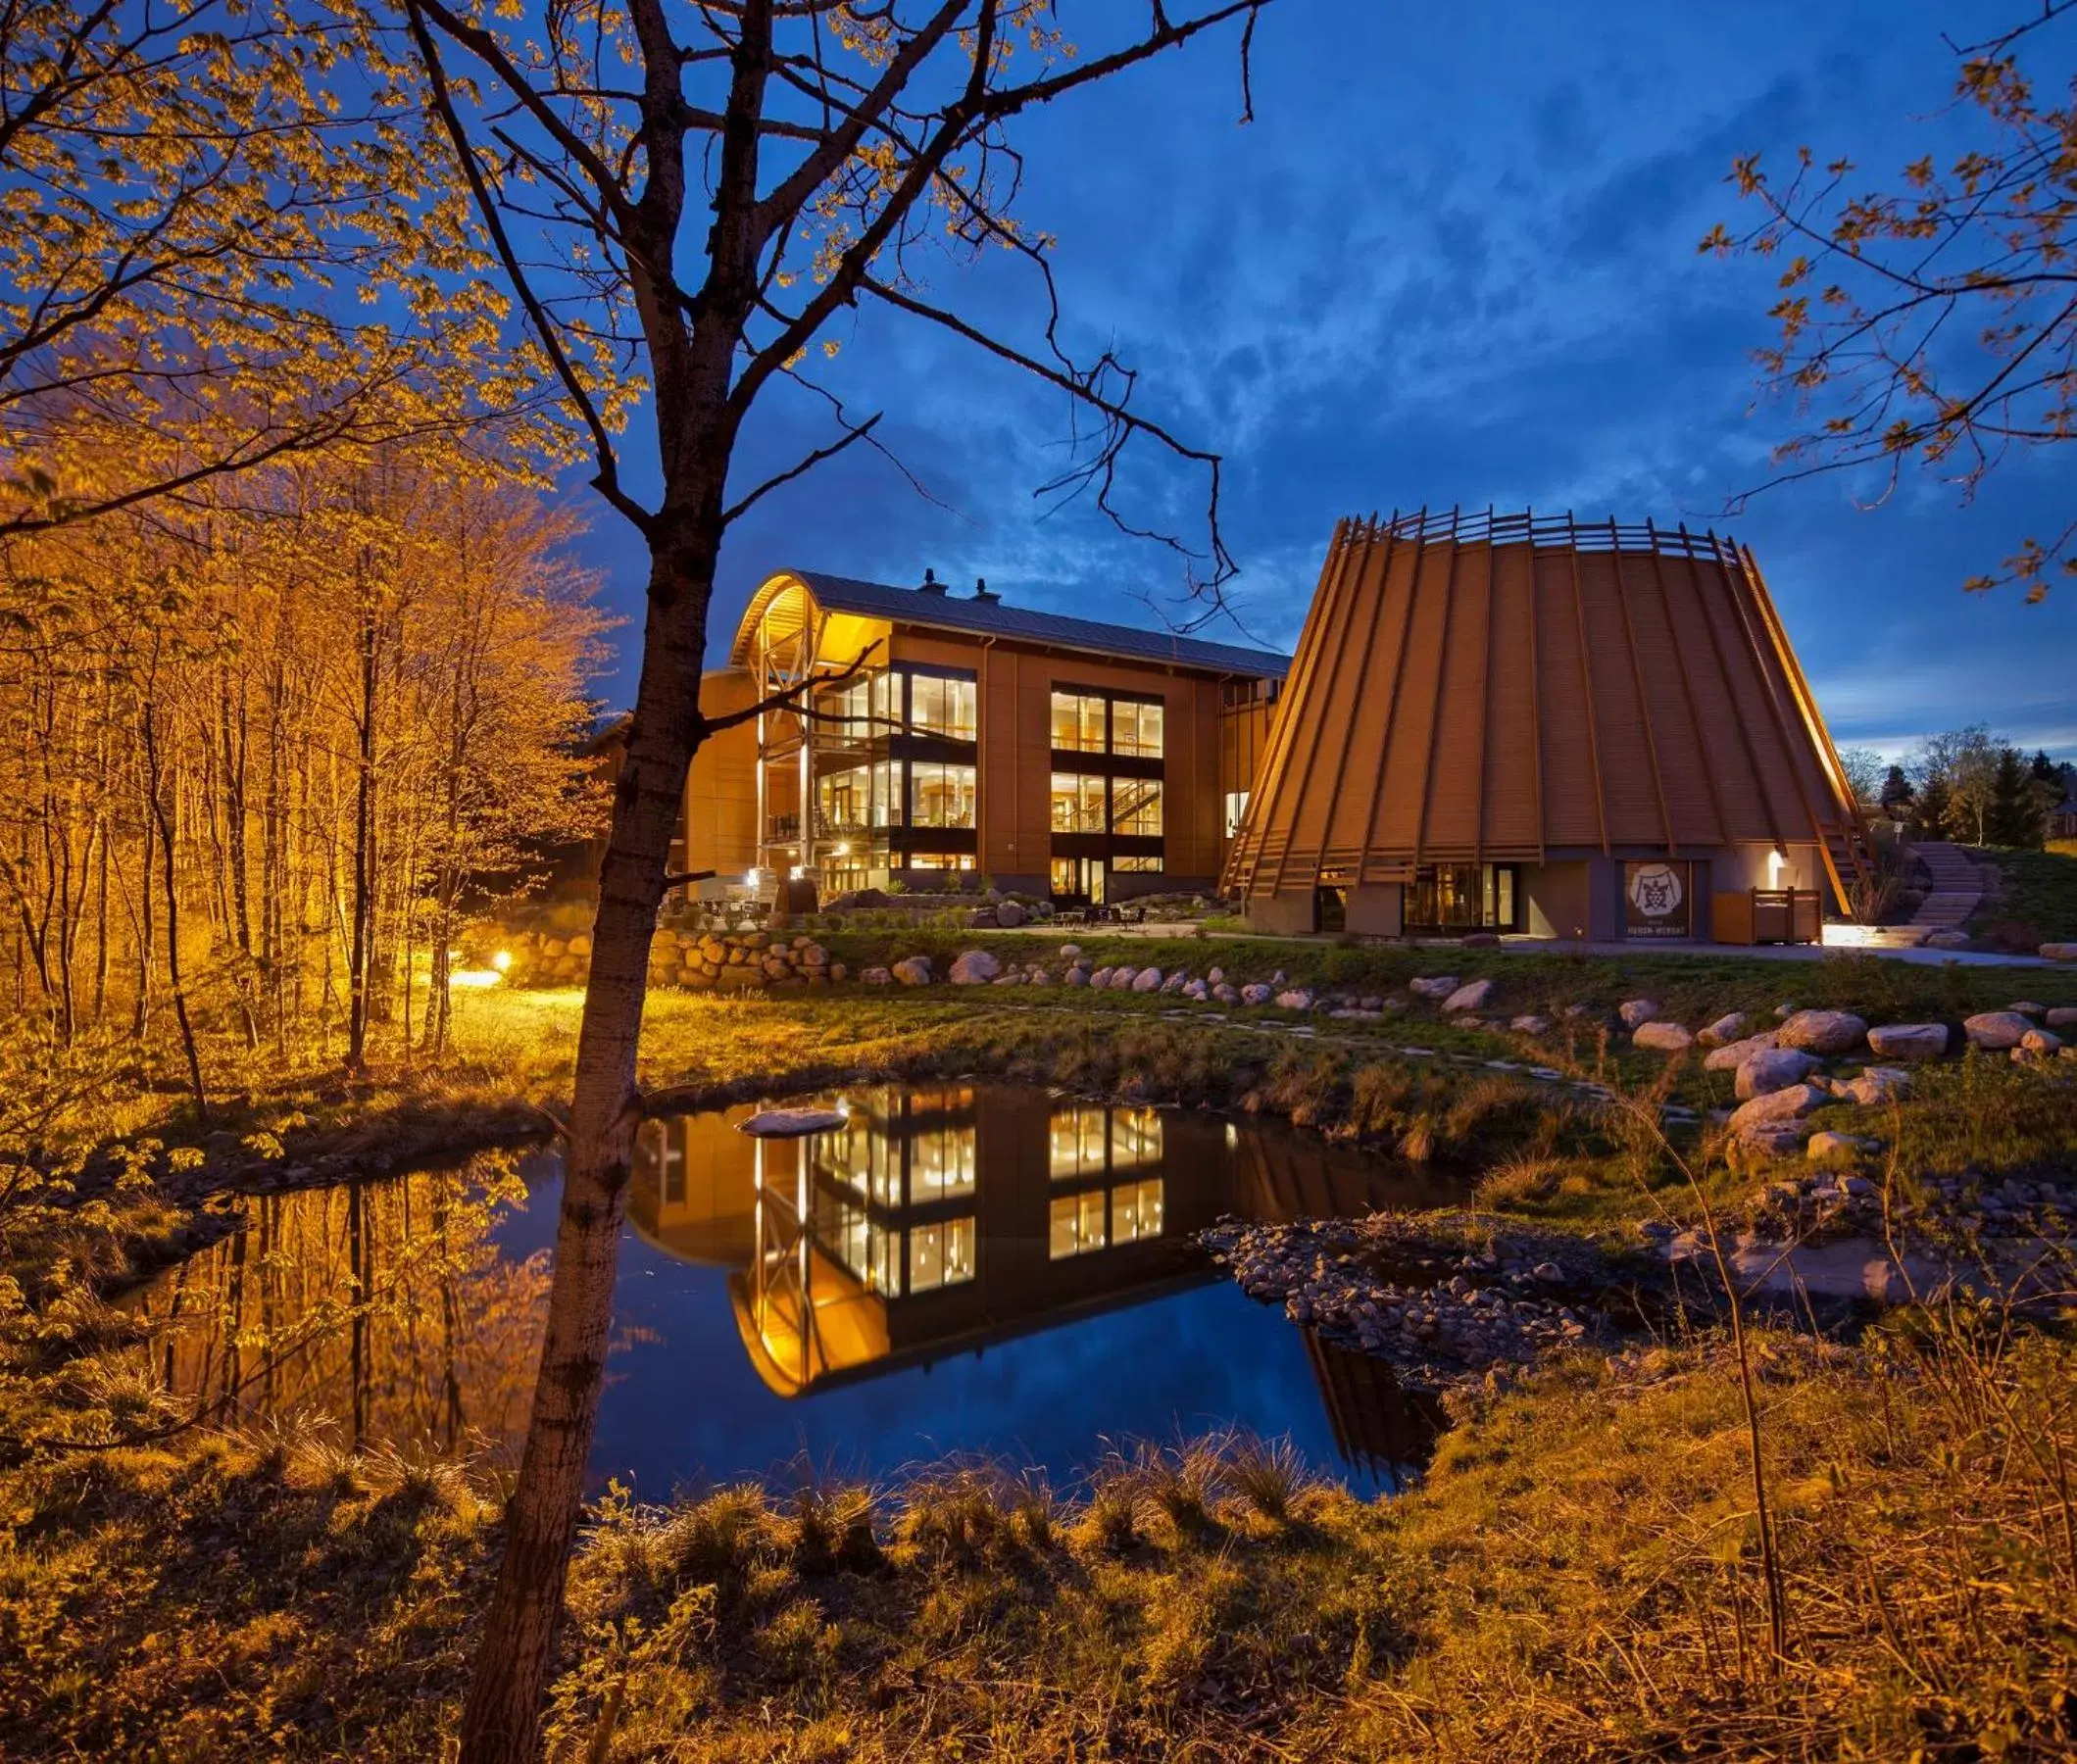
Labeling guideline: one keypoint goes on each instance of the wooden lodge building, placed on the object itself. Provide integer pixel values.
(1538, 726)
(947, 732)
(1493, 723)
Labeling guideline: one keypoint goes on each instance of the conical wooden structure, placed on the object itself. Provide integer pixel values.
(1534, 693)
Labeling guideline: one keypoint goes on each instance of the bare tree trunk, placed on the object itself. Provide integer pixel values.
(173, 912)
(501, 1722)
(361, 955)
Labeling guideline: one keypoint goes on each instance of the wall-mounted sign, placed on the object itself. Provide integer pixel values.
(1655, 900)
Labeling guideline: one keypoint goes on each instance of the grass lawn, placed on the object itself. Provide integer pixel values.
(1577, 1577)
(2037, 895)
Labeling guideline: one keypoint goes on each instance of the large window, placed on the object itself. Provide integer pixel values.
(1136, 1138)
(842, 710)
(1136, 1210)
(940, 796)
(941, 707)
(1141, 866)
(845, 799)
(1236, 811)
(1136, 806)
(940, 1255)
(937, 860)
(1461, 896)
(1079, 722)
(1136, 728)
(1076, 1224)
(1078, 803)
(941, 1163)
(886, 702)
(1076, 1143)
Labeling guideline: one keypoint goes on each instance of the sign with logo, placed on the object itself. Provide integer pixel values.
(1655, 900)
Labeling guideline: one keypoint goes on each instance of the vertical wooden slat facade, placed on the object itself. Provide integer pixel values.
(1507, 688)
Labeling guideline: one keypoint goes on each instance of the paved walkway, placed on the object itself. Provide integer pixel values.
(1957, 885)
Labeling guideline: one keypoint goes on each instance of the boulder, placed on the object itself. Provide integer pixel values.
(2059, 952)
(1996, 1030)
(1663, 1038)
(1147, 980)
(1733, 1055)
(1636, 1012)
(1069, 951)
(1100, 979)
(1480, 940)
(1256, 993)
(1947, 940)
(1216, 977)
(1521, 1025)
(2027, 1008)
(914, 970)
(1825, 1032)
(2061, 1016)
(1469, 997)
(2042, 1042)
(1075, 976)
(1433, 986)
(1878, 1084)
(1299, 997)
(974, 967)
(1226, 993)
(1778, 1107)
(791, 1123)
(875, 976)
(1010, 914)
(1771, 1069)
(1725, 1030)
(1908, 1040)
(1124, 977)
(1774, 1138)
(1827, 1145)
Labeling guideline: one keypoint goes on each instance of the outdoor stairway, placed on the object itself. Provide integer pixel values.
(1956, 886)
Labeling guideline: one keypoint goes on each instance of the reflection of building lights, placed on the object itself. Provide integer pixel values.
(751, 877)
(797, 873)
(1777, 861)
(843, 847)
(1233, 1137)
(502, 961)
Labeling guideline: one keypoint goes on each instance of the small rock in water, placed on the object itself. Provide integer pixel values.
(791, 1123)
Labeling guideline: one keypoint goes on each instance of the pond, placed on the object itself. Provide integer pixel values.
(961, 1268)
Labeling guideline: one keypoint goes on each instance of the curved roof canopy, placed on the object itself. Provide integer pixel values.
(1489, 688)
(936, 608)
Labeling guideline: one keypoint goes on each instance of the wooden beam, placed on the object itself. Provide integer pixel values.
(1687, 689)
(1435, 714)
(1644, 701)
(1536, 724)
(1724, 671)
(1586, 685)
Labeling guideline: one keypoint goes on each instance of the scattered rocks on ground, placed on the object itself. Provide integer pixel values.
(1147, 980)
(1876, 1085)
(1298, 998)
(1531, 1025)
(2063, 1017)
(1663, 1038)
(876, 976)
(1772, 1069)
(1441, 1297)
(1433, 986)
(1471, 995)
(974, 967)
(1010, 914)
(914, 970)
(2059, 952)
(1829, 1145)
(1996, 1030)
(1733, 1055)
(2027, 1008)
(2041, 1042)
(1725, 1030)
(1256, 993)
(1824, 1032)
(1636, 1012)
(1909, 1041)
(1777, 1108)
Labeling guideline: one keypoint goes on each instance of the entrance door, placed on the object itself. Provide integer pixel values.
(1093, 878)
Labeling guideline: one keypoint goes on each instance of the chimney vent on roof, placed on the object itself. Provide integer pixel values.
(981, 593)
(931, 585)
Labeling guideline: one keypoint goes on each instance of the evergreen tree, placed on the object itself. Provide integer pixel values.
(2015, 817)
(1930, 808)
(1895, 790)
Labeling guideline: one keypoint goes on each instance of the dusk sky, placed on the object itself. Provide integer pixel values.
(1453, 261)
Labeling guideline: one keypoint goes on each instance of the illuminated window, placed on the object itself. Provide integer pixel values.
(844, 798)
(1136, 1210)
(1075, 1225)
(1136, 1138)
(1078, 803)
(842, 711)
(940, 796)
(942, 707)
(1079, 722)
(1136, 729)
(940, 1256)
(886, 702)
(1076, 1143)
(939, 860)
(940, 1164)
(1136, 866)
(884, 797)
(1236, 811)
(1063, 874)
(1136, 806)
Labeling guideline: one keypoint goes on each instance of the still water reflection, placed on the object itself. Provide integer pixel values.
(959, 1268)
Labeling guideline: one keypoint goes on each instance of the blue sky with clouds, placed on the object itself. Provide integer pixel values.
(1453, 261)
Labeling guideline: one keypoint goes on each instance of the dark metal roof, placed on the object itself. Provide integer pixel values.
(993, 618)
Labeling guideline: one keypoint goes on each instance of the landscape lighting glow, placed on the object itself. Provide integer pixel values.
(502, 961)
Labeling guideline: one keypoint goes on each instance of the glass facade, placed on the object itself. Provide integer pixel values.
(1136, 806)
(1077, 802)
(1079, 722)
(1136, 728)
(1463, 897)
(940, 795)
